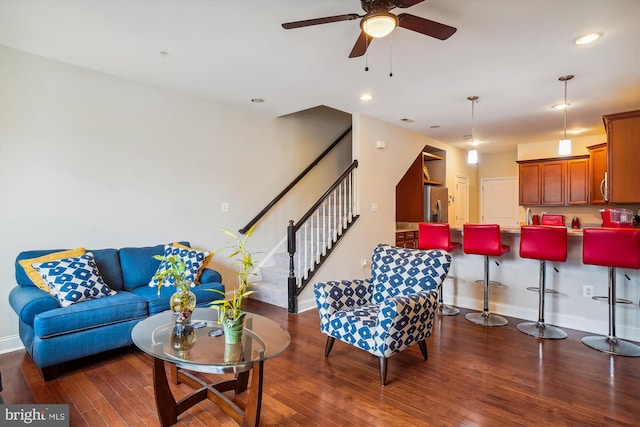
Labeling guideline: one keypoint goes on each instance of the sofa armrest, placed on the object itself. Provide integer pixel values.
(29, 301)
(209, 275)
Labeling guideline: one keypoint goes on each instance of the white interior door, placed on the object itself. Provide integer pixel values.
(499, 201)
(461, 201)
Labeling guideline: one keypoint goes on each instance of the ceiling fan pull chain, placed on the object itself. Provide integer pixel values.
(391, 55)
(366, 54)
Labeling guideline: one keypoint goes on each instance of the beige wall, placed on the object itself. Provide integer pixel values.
(549, 149)
(88, 159)
(379, 172)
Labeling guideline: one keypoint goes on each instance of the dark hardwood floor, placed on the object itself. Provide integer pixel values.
(475, 376)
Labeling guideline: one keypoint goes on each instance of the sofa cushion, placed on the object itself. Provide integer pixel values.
(157, 303)
(138, 264)
(74, 280)
(33, 277)
(194, 261)
(90, 314)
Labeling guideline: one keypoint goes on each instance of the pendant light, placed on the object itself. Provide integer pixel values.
(564, 146)
(472, 155)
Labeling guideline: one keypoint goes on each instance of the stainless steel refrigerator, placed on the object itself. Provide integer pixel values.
(436, 203)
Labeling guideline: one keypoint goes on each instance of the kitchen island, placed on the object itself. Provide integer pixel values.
(572, 307)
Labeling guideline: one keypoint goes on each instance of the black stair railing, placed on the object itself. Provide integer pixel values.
(293, 183)
(315, 235)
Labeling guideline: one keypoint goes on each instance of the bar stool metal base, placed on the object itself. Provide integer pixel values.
(541, 330)
(612, 345)
(445, 310)
(486, 319)
(491, 282)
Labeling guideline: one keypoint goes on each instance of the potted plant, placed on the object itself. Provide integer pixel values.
(230, 314)
(183, 301)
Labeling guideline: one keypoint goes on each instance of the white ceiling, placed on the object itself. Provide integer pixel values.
(510, 53)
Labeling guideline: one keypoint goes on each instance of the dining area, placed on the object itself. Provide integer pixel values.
(551, 276)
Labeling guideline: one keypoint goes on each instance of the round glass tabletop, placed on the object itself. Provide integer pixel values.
(199, 345)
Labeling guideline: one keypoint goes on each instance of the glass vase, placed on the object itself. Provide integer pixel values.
(182, 303)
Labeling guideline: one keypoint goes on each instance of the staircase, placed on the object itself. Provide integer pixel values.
(285, 273)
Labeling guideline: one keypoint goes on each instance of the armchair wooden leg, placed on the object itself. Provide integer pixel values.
(423, 348)
(328, 346)
(383, 370)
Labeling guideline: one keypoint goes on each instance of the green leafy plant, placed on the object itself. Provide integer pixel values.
(176, 270)
(230, 309)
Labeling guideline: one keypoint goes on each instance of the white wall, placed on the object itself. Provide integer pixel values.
(88, 159)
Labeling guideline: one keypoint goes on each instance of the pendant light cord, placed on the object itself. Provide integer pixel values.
(565, 79)
(565, 109)
(473, 100)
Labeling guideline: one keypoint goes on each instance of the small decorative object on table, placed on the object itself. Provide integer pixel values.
(183, 301)
(230, 314)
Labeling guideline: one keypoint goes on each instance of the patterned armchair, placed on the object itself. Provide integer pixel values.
(389, 312)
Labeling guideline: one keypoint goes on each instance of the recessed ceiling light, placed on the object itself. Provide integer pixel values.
(561, 106)
(576, 131)
(406, 120)
(366, 97)
(587, 38)
(257, 100)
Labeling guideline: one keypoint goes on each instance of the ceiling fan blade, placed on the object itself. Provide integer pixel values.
(361, 45)
(426, 26)
(318, 21)
(407, 3)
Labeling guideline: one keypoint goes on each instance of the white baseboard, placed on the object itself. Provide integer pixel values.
(10, 344)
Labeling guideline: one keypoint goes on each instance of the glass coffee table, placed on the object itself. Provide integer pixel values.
(199, 347)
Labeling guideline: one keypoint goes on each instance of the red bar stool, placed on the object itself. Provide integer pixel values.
(545, 244)
(433, 235)
(484, 239)
(612, 248)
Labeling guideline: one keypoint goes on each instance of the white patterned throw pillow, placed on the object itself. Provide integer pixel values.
(194, 261)
(74, 279)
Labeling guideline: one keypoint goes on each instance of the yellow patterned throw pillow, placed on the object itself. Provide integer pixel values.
(35, 277)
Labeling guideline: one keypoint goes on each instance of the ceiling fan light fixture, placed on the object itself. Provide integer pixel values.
(379, 24)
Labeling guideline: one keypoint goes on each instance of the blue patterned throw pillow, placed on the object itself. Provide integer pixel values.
(74, 279)
(194, 262)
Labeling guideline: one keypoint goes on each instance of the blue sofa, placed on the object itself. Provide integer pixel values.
(53, 334)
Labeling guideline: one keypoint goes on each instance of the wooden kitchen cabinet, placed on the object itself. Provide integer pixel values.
(554, 182)
(529, 182)
(407, 239)
(597, 173)
(578, 182)
(623, 161)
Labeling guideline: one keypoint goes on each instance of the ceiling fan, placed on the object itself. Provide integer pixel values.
(378, 22)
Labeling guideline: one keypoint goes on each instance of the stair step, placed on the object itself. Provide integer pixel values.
(271, 293)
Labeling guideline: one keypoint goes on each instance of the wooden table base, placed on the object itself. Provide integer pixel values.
(169, 409)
